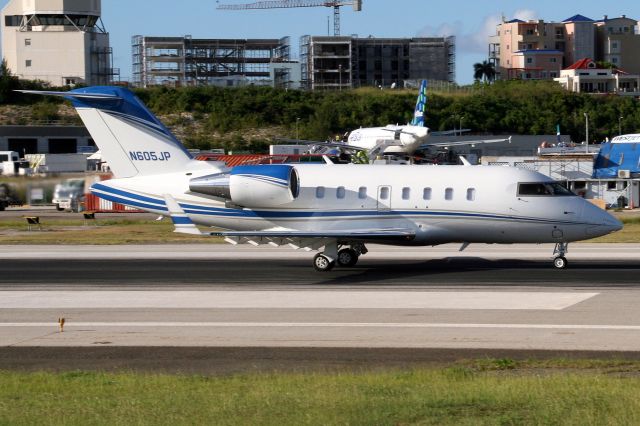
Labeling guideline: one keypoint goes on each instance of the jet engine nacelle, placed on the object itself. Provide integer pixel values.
(262, 186)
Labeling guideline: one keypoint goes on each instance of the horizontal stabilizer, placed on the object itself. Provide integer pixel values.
(101, 96)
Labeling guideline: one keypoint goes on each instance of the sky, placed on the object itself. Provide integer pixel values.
(470, 21)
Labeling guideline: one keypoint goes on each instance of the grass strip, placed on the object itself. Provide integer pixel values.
(111, 231)
(480, 392)
(102, 232)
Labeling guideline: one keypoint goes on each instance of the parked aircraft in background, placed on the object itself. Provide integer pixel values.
(334, 208)
(400, 139)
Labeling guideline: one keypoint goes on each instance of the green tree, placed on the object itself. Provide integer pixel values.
(8, 83)
(484, 71)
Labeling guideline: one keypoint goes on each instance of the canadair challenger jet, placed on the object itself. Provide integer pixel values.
(331, 207)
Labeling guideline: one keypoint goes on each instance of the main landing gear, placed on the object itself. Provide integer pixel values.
(559, 261)
(345, 256)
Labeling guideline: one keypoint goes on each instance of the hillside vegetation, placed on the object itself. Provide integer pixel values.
(249, 118)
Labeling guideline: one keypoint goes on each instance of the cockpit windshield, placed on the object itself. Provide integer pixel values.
(544, 189)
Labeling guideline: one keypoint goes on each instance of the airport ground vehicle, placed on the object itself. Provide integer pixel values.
(68, 195)
(5, 196)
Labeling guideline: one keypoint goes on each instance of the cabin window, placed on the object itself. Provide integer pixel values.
(320, 192)
(362, 192)
(546, 189)
(426, 194)
(471, 194)
(340, 192)
(406, 193)
(27, 63)
(384, 193)
(448, 194)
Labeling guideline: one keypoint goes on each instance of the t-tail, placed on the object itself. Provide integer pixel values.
(421, 106)
(131, 139)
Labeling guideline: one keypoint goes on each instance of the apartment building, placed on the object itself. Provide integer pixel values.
(62, 42)
(618, 42)
(540, 50)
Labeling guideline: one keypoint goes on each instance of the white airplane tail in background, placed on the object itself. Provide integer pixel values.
(131, 139)
(421, 106)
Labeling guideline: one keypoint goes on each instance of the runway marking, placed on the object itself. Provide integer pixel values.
(324, 325)
(302, 299)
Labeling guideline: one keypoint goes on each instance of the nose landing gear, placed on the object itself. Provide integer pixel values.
(559, 261)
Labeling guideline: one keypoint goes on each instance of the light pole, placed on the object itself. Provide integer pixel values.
(462, 117)
(620, 125)
(340, 75)
(453, 118)
(586, 119)
(297, 132)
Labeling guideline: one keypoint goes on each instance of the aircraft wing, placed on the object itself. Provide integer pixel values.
(463, 143)
(313, 240)
(359, 235)
(325, 144)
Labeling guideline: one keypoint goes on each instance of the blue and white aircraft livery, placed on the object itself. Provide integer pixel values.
(405, 139)
(336, 209)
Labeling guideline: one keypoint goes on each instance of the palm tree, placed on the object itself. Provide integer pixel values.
(484, 71)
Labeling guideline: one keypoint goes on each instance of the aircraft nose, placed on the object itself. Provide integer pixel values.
(603, 222)
(613, 223)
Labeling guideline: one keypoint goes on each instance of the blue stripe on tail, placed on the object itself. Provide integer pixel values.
(421, 106)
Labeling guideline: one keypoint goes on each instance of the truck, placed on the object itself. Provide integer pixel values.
(68, 195)
(7, 159)
(6, 198)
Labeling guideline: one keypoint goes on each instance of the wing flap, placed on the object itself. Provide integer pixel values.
(357, 235)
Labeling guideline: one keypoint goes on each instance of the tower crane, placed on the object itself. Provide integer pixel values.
(279, 4)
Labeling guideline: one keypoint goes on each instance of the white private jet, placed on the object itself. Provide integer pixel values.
(400, 139)
(337, 208)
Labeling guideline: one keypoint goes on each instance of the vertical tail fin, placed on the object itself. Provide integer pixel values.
(421, 105)
(132, 140)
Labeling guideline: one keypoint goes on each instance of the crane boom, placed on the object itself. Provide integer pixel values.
(281, 4)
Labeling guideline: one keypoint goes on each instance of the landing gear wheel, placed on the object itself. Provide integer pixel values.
(322, 263)
(347, 257)
(560, 262)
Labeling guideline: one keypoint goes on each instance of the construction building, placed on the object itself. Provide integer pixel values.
(61, 42)
(332, 63)
(540, 50)
(185, 61)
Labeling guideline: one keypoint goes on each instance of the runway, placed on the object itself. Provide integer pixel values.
(256, 301)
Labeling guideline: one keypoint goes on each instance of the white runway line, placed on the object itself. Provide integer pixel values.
(291, 300)
(71, 325)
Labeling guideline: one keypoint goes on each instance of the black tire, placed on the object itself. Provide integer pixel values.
(347, 257)
(321, 263)
(560, 262)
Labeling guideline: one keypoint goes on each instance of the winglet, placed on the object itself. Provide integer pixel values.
(183, 224)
